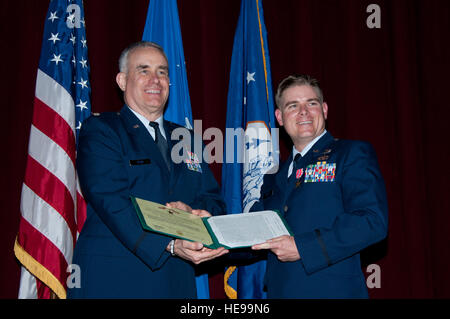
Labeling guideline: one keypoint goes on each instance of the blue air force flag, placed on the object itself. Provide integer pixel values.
(250, 108)
(163, 27)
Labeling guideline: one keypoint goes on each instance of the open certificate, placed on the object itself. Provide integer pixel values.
(229, 231)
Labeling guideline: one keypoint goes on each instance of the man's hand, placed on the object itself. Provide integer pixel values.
(180, 205)
(187, 208)
(283, 247)
(195, 251)
(201, 213)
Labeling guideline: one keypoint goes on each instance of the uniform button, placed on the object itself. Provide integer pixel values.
(286, 208)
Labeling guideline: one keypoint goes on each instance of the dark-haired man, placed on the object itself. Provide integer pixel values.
(331, 194)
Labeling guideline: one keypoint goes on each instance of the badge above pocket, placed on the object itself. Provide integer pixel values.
(192, 162)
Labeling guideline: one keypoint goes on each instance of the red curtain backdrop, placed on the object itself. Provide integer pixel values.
(387, 86)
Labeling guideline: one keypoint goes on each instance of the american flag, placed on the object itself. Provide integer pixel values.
(52, 207)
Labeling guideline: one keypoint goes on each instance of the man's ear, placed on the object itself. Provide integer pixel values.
(121, 79)
(279, 116)
(325, 110)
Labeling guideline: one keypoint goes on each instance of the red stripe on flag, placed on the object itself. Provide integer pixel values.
(43, 251)
(52, 190)
(43, 292)
(55, 127)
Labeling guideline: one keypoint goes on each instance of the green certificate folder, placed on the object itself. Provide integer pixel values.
(229, 231)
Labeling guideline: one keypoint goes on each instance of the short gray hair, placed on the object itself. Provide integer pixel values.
(298, 80)
(123, 59)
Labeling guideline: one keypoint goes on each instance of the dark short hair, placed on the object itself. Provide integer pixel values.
(123, 59)
(298, 80)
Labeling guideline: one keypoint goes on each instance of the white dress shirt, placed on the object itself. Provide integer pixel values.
(146, 124)
(303, 152)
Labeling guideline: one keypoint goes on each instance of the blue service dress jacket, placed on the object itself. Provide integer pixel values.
(335, 205)
(117, 157)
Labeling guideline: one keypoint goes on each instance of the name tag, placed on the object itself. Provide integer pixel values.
(192, 162)
(320, 172)
(143, 161)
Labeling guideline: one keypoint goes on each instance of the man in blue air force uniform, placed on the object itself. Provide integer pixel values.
(332, 196)
(128, 153)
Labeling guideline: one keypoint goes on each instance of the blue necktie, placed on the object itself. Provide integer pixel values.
(161, 143)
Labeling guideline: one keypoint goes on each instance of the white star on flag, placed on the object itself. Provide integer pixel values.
(54, 38)
(56, 59)
(250, 77)
(83, 63)
(83, 83)
(82, 105)
(72, 38)
(71, 18)
(53, 16)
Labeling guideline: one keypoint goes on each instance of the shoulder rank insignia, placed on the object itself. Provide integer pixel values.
(320, 172)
